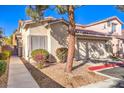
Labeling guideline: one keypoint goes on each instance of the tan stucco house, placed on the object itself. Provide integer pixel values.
(95, 40)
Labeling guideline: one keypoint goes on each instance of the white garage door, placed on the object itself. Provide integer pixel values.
(82, 49)
(91, 49)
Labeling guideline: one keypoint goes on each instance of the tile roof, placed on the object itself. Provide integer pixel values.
(47, 19)
(91, 32)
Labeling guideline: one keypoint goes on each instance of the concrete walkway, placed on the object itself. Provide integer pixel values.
(19, 76)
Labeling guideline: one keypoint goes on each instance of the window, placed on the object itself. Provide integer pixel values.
(104, 27)
(108, 23)
(38, 42)
(113, 27)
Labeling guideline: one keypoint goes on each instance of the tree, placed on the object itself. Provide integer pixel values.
(36, 12)
(1, 32)
(62, 9)
(71, 31)
(120, 7)
(7, 40)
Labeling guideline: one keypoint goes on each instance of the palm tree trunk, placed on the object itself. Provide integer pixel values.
(71, 43)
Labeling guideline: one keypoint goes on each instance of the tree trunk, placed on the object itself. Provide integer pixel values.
(71, 40)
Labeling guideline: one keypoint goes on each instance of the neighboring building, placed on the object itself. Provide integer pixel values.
(113, 27)
(96, 40)
(16, 42)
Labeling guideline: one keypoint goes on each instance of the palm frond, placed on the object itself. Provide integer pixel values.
(62, 9)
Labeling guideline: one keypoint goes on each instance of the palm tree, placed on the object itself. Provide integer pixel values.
(71, 35)
(34, 13)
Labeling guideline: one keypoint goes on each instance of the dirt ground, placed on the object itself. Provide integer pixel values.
(80, 76)
(54, 75)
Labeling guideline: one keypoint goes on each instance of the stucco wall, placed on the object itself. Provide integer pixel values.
(107, 29)
(58, 37)
(38, 30)
(56, 33)
(117, 45)
(33, 30)
(25, 34)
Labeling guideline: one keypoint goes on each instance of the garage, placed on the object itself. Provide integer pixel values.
(91, 49)
(92, 46)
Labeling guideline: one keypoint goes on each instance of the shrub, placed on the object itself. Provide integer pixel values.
(61, 53)
(7, 50)
(40, 56)
(7, 47)
(5, 54)
(114, 58)
(3, 65)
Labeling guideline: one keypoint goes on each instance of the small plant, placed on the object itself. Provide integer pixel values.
(114, 58)
(61, 53)
(3, 65)
(40, 56)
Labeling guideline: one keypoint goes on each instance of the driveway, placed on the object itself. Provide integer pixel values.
(117, 72)
(116, 78)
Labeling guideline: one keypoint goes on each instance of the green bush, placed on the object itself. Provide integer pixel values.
(7, 49)
(61, 53)
(114, 58)
(3, 65)
(40, 56)
(5, 54)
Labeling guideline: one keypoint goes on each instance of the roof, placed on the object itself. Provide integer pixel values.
(79, 26)
(105, 20)
(92, 32)
(49, 20)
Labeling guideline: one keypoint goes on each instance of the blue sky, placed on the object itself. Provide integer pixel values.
(9, 15)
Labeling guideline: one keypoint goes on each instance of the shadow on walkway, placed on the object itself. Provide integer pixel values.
(43, 80)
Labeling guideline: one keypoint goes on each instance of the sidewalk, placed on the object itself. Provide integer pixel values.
(19, 76)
